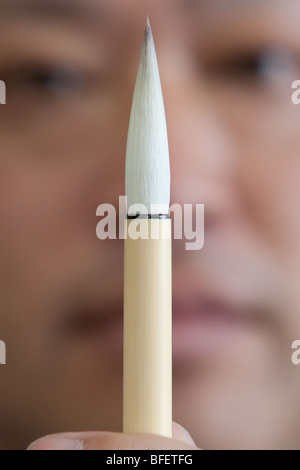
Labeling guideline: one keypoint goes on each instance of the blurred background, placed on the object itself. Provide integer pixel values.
(226, 69)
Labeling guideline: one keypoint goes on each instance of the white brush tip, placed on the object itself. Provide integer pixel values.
(147, 155)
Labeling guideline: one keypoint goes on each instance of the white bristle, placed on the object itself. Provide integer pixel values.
(147, 155)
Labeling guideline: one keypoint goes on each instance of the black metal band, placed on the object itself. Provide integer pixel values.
(148, 216)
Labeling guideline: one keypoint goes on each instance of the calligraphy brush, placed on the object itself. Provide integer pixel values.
(147, 395)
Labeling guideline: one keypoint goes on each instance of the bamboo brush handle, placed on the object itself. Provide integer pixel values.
(147, 395)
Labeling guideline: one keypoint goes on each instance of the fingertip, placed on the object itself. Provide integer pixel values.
(181, 434)
(56, 442)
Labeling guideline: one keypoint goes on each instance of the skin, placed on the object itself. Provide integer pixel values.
(181, 440)
(234, 143)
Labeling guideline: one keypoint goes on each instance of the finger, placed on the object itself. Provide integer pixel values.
(112, 441)
(181, 434)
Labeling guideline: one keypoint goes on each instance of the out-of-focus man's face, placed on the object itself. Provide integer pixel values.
(226, 70)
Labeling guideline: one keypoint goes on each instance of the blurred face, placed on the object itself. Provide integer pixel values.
(226, 70)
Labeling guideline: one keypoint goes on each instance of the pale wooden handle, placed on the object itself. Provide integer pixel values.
(147, 396)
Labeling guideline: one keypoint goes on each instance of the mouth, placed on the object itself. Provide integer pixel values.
(94, 326)
(200, 327)
(203, 327)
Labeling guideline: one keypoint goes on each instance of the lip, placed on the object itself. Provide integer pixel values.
(91, 324)
(200, 327)
(203, 327)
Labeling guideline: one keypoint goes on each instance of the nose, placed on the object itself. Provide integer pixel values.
(202, 153)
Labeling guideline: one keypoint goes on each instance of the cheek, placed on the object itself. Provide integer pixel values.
(268, 166)
(56, 174)
(272, 191)
(48, 200)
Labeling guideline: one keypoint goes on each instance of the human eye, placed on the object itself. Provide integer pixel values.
(53, 80)
(44, 82)
(265, 66)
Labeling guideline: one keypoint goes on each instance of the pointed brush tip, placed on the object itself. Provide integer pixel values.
(148, 30)
(147, 179)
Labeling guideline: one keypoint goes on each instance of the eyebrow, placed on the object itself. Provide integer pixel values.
(52, 9)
